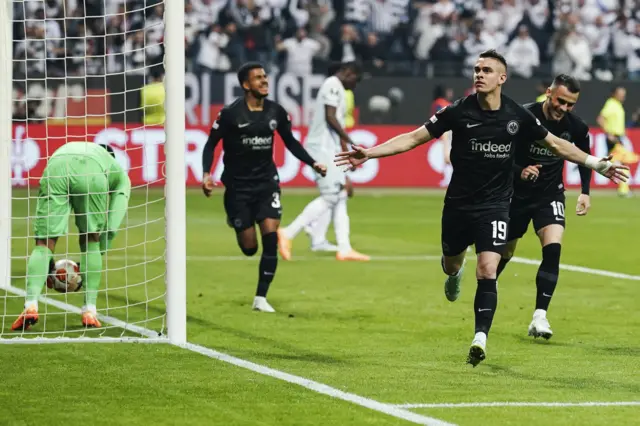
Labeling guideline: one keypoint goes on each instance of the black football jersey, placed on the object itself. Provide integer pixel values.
(482, 149)
(247, 140)
(551, 178)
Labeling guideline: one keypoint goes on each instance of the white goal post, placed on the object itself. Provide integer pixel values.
(142, 296)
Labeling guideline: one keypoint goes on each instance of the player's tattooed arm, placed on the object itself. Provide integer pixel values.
(394, 146)
(332, 121)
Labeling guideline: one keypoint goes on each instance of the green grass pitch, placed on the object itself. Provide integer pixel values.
(382, 330)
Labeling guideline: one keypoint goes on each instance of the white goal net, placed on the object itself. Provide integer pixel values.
(98, 71)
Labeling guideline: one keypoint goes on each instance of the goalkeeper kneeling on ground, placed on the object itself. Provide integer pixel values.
(85, 177)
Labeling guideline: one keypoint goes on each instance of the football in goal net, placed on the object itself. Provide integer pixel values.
(92, 197)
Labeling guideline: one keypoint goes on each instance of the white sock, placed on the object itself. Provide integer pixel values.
(481, 337)
(540, 313)
(319, 228)
(341, 224)
(311, 212)
(31, 304)
(90, 308)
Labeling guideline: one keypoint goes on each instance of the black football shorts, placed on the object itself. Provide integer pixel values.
(487, 228)
(549, 211)
(245, 207)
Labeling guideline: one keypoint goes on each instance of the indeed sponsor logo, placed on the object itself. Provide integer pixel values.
(258, 142)
(540, 150)
(490, 149)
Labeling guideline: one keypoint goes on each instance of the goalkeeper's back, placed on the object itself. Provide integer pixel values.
(102, 160)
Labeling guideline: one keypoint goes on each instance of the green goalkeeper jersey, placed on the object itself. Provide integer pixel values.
(85, 177)
(118, 179)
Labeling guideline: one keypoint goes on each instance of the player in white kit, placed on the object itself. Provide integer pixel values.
(326, 137)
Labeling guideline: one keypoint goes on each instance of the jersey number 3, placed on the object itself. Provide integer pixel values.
(276, 201)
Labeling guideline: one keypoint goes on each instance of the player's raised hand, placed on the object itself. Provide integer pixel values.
(207, 185)
(531, 172)
(351, 158)
(320, 168)
(584, 203)
(617, 173)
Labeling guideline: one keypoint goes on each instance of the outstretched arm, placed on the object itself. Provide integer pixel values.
(401, 143)
(570, 152)
(397, 145)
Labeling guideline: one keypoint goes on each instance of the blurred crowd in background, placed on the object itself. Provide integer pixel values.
(590, 39)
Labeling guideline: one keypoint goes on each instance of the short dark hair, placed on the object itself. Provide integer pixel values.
(615, 89)
(245, 69)
(109, 149)
(333, 68)
(571, 83)
(493, 53)
(353, 66)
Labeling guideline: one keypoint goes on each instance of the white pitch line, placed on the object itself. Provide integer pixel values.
(575, 268)
(397, 258)
(76, 310)
(388, 409)
(522, 404)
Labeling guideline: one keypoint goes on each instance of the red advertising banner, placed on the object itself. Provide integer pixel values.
(139, 150)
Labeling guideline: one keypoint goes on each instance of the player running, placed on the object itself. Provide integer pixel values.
(250, 177)
(327, 137)
(538, 195)
(485, 126)
(85, 177)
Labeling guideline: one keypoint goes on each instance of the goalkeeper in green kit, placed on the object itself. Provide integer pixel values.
(85, 177)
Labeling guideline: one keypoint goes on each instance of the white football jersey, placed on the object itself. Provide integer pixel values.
(320, 135)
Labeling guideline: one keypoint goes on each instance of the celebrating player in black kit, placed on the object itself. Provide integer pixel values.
(538, 195)
(250, 177)
(486, 126)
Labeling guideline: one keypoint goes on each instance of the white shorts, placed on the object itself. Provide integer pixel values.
(335, 179)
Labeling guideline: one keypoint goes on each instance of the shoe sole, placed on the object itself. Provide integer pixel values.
(260, 310)
(476, 355)
(545, 335)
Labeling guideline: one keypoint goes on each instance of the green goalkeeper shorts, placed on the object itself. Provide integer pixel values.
(71, 182)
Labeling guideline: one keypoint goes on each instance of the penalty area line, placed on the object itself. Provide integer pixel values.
(523, 404)
(317, 387)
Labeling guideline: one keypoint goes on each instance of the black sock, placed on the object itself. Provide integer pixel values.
(485, 303)
(547, 277)
(268, 263)
(501, 266)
